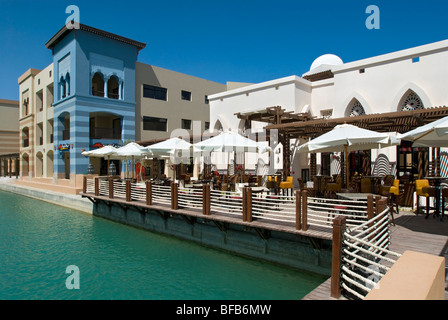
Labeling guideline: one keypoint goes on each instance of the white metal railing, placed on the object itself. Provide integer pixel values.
(161, 194)
(189, 197)
(90, 185)
(103, 187)
(274, 208)
(365, 257)
(138, 191)
(322, 211)
(119, 189)
(226, 202)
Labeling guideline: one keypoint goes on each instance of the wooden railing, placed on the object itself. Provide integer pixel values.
(298, 210)
(361, 254)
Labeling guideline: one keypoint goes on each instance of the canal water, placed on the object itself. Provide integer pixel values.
(46, 251)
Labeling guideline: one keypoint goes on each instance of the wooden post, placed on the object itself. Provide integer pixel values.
(128, 190)
(304, 210)
(84, 184)
(377, 198)
(244, 204)
(111, 188)
(206, 199)
(148, 193)
(298, 210)
(370, 208)
(249, 205)
(174, 191)
(97, 186)
(338, 231)
(381, 205)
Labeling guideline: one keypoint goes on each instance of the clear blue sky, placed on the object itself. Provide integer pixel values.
(233, 40)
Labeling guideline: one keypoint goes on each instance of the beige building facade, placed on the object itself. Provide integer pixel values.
(171, 102)
(9, 137)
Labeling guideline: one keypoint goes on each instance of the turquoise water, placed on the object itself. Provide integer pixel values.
(38, 241)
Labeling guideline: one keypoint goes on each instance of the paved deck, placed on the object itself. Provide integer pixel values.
(411, 232)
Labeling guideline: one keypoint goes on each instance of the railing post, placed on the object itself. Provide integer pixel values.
(381, 205)
(206, 199)
(111, 188)
(304, 210)
(97, 186)
(338, 231)
(370, 208)
(128, 190)
(249, 204)
(298, 210)
(148, 193)
(244, 204)
(377, 198)
(84, 184)
(174, 192)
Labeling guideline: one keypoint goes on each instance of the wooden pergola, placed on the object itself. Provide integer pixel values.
(301, 125)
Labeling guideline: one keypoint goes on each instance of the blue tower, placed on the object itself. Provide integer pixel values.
(94, 94)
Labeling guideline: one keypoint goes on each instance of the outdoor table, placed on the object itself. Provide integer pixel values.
(355, 196)
(438, 186)
(260, 190)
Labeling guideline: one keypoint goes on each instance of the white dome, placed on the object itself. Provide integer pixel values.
(327, 59)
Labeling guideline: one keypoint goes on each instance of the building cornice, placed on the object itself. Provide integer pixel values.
(64, 31)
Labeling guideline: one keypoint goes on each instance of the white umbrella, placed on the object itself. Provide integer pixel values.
(132, 151)
(433, 134)
(347, 137)
(168, 146)
(230, 142)
(172, 147)
(103, 152)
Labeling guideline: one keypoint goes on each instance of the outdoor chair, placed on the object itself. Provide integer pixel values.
(393, 195)
(288, 185)
(335, 186)
(366, 185)
(423, 189)
(388, 182)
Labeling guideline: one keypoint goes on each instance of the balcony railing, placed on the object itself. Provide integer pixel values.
(112, 95)
(105, 133)
(98, 93)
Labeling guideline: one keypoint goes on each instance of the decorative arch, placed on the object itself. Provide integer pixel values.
(26, 137)
(354, 109)
(25, 165)
(244, 125)
(39, 164)
(63, 88)
(221, 124)
(67, 84)
(353, 98)
(404, 93)
(113, 87)
(98, 84)
(50, 163)
(410, 101)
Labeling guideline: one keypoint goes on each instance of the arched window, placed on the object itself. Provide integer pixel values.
(98, 85)
(411, 101)
(63, 88)
(218, 126)
(26, 137)
(355, 109)
(113, 88)
(67, 84)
